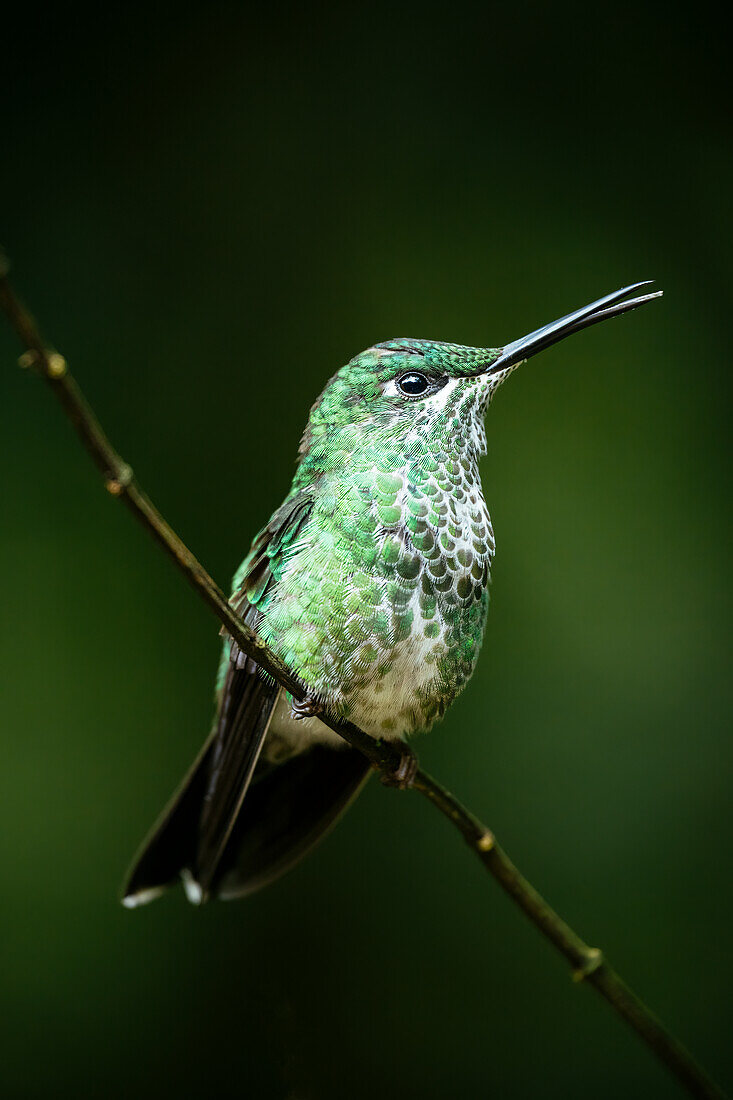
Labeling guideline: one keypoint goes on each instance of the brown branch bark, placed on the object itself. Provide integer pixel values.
(588, 963)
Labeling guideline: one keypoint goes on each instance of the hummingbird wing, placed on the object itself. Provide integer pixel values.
(246, 705)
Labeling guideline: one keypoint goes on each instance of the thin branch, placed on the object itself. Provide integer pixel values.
(588, 963)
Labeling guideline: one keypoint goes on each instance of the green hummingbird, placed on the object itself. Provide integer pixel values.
(371, 583)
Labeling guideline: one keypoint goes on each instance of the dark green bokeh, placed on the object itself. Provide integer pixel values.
(210, 213)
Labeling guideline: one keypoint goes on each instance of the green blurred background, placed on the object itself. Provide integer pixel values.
(210, 210)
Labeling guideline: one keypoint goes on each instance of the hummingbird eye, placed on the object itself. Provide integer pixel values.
(413, 384)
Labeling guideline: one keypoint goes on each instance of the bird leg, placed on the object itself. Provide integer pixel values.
(403, 776)
(305, 708)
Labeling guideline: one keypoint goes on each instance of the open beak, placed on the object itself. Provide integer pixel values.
(610, 306)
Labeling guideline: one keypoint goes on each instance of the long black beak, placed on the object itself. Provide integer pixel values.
(610, 306)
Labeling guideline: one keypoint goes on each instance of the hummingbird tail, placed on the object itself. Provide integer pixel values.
(235, 825)
(289, 808)
(191, 837)
(170, 847)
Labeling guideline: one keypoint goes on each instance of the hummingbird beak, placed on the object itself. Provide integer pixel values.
(610, 306)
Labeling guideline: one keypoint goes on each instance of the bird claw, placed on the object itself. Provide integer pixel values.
(305, 708)
(403, 776)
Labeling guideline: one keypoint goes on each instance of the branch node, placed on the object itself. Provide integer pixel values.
(28, 360)
(56, 365)
(486, 841)
(123, 477)
(593, 960)
(49, 363)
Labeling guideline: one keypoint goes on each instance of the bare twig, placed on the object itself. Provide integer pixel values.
(588, 963)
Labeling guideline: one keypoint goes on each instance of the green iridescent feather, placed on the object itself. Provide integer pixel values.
(371, 580)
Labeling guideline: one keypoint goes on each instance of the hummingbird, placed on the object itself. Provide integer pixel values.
(371, 583)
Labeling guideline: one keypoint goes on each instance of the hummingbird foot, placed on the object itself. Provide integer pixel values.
(305, 708)
(403, 776)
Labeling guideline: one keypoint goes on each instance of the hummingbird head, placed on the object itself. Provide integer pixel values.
(402, 391)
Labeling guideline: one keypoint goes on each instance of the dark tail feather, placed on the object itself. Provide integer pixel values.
(288, 809)
(174, 838)
(192, 834)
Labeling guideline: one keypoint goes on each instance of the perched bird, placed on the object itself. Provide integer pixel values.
(371, 583)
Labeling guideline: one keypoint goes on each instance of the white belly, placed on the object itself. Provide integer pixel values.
(386, 707)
